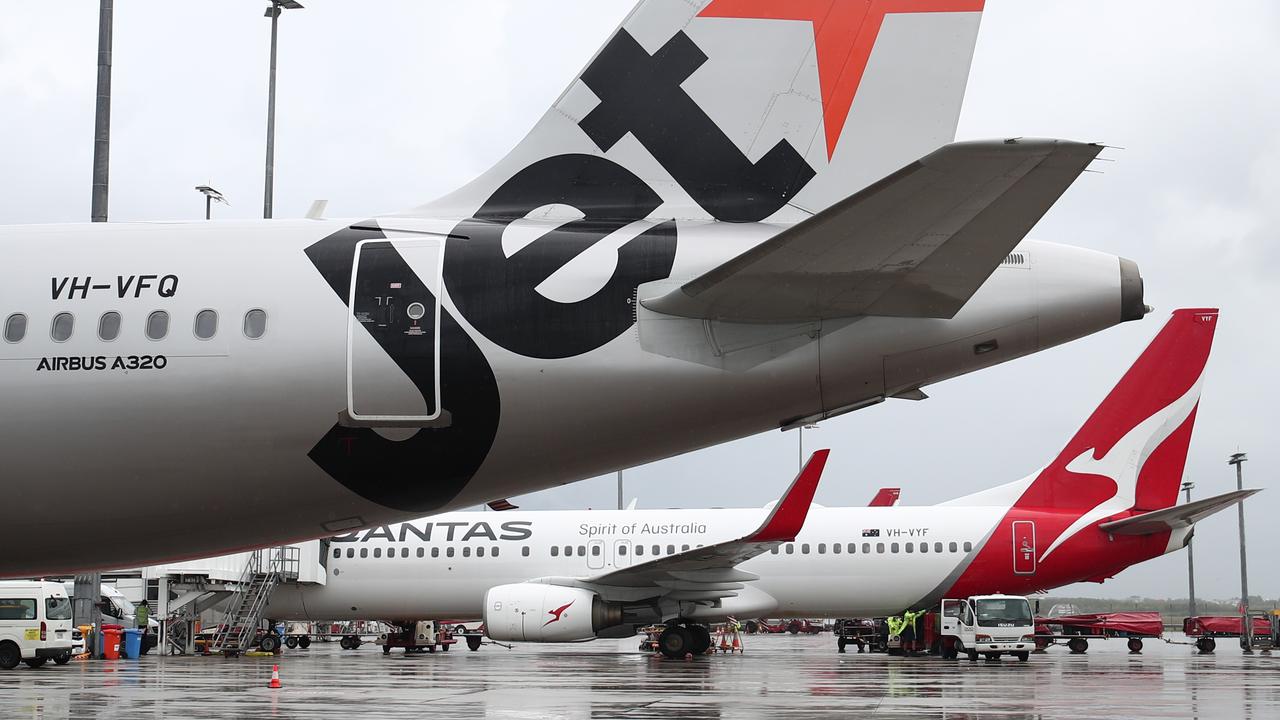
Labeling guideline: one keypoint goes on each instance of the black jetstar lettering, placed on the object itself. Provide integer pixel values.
(426, 471)
(497, 294)
(641, 94)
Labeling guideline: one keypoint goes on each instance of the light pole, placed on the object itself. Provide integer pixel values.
(619, 489)
(211, 196)
(1246, 627)
(1191, 563)
(273, 12)
(102, 116)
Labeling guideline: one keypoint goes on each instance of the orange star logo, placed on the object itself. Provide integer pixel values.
(844, 33)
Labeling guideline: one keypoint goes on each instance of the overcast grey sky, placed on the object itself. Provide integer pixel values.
(386, 104)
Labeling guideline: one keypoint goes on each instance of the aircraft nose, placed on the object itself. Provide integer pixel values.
(1132, 303)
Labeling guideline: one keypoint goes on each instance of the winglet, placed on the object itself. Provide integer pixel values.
(887, 497)
(788, 516)
(1178, 516)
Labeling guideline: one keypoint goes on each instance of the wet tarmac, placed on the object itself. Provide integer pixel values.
(777, 677)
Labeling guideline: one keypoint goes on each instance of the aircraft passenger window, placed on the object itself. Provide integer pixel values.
(853, 548)
(595, 551)
(404, 552)
(805, 548)
(568, 551)
(582, 551)
(422, 552)
(671, 549)
(466, 551)
(893, 547)
(911, 547)
(435, 552)
(364, 552)
(351, 552)
(524, 551)
(480, 551)
(622, 549)
(62, 325)
(555, 550)
(684, 548)
(255, 324)
(924, 547)
(791, 549)
(448, 552)
(952, 546)
(337, 553)
(822, 548)
(494, 553)
(206, 324)
(157, 325)
(879, 547)
(15, 328)
(937, 547)
(968, 546)
(774, 550)
(639, 549)
(109, 326)
(657, 550)
(377, 552)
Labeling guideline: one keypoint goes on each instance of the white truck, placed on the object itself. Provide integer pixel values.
(35, 623)
(988, 625)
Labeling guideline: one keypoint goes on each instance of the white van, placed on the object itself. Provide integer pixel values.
(35, 623)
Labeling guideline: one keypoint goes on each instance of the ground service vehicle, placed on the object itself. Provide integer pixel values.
(988, 625)
(35, 623)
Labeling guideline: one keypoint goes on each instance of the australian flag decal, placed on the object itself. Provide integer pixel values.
(871, 533)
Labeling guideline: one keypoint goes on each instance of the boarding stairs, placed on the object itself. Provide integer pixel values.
(264, 570)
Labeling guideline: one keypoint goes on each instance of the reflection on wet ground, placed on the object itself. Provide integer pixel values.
(778, 677)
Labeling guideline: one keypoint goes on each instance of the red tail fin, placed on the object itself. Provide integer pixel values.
(1132, 450)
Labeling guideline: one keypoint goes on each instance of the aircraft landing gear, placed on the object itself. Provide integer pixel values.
(679, 640)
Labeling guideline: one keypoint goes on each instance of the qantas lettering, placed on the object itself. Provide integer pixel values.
(444, 531)
(77, 288)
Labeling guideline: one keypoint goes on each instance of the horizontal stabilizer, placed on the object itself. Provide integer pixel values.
(1176, 517)
(918, 243)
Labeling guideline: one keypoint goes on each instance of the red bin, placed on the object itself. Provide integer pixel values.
(111, 639)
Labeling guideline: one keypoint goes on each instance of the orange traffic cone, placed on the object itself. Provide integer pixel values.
(275, 677)
(737, 644)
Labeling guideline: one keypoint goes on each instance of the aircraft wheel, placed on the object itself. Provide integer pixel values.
(675, 642)
(473, 642)
(1022, 656)
(701, 637)
(304, 642)
(1135, 645)
(291, 642)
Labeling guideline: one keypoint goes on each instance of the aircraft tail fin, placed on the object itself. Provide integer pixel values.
(1130, 453)
(738, 110)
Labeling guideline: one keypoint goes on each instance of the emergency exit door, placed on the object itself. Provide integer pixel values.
(1024, 547)
(393, 331)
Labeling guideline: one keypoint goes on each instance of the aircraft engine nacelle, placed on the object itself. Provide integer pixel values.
(536, 612)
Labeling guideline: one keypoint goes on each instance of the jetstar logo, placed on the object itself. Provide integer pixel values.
(844, 34)
(557, 613)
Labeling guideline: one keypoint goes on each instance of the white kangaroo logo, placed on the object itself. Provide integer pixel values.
(1123, 463)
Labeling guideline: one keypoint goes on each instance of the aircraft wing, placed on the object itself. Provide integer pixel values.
(1176, 517)
(709, 573)
(918, 243)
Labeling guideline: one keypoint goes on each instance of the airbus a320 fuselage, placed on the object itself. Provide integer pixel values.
(671, 259)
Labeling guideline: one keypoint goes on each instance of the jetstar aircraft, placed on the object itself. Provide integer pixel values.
(741, 216)
(1107, 501)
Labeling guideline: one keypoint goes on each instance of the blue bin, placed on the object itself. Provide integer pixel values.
(132, 644)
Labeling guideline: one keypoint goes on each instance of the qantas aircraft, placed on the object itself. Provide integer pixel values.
(1107, 501)
(741, 216)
